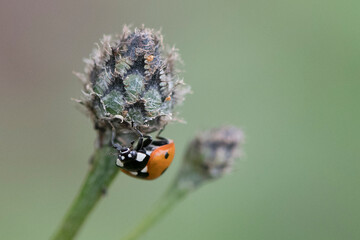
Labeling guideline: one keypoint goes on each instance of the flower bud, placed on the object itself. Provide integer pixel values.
(132, 80)
(210, 156)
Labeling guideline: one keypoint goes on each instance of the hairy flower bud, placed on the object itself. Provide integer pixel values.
(131, 80)
(210, 155)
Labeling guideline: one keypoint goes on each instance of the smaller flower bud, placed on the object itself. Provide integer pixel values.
(210, 156)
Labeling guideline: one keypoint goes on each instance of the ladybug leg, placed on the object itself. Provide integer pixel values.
(137, 131)
(160, 131)
(148, 140)
(143, 143)
(161, 138)
(161, 142)
(139, 144)
(113, 136)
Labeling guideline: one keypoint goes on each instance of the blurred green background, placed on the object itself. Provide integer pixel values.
(287, 72)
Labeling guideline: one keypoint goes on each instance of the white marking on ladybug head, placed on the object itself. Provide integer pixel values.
(119, 163)
(144, 170)
(129, 155)
(122, 157)
(140, 157)
(124, 150)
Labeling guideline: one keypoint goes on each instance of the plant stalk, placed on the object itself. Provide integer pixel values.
(172, 196)
(99, 178)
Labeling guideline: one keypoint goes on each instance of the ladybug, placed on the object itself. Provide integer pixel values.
(148, 160)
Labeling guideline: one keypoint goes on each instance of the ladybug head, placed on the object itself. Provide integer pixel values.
(127, 155)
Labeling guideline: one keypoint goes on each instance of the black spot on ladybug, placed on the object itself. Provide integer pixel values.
(164, 171)
(166, 155)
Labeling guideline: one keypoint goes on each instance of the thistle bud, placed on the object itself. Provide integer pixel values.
(210, 155)
(132, 80)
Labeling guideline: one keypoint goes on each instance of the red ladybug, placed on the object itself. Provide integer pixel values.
(148, 160)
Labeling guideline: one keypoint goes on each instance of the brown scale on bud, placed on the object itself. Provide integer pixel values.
(131, 80)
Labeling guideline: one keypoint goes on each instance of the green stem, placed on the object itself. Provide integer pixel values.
(100, 176)
(170, 198)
